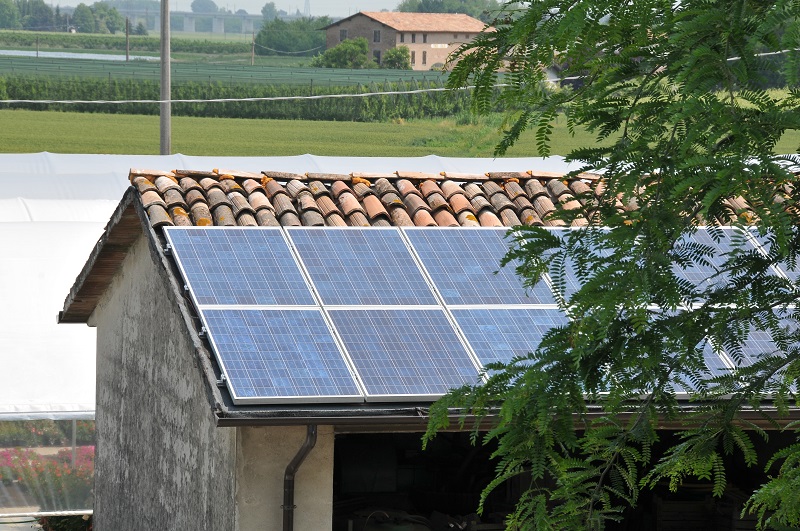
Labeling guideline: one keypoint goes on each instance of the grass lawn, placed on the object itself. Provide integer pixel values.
(24, 131)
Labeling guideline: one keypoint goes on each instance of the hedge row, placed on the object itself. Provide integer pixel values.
(363, 109)
(85, 41)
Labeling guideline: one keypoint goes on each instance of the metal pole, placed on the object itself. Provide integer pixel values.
(74, 442)
(166, 104)
(127, 39)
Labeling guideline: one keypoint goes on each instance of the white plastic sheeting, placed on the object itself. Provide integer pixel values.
(53, 208)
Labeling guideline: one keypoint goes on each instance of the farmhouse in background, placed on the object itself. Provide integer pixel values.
(430, 37)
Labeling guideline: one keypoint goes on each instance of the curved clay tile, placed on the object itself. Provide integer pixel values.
(223, 215)
(535, 189)
(414, 204)
(258, 201)
(503, 175)
(317, 188)
(381, 222)
(556, 188)
(444, 218)
(487, 218)
(362, 190)
(437, 201)
(305, 202)
(187, 183)
(274, 188)
(289, 219)
(579, 222)
(217, 198)
(580, 189)
(164, 183)
(266, 218)
(151, 197)
(472, 190)
(468, 219)
(327, 206)
(179, 217)
(294, 187)
(240, 204)
(251, 185)
(392, 200)
(514, 190)
(450, 188)
(479, 203)
(358, 219)
(406, 187)
(144, 185)
(311, 218)
(201, 215)
(501, 202)
(383, 187)
(459, 203)
(423, 218)
(509, 218)
(430, 187)
(173, 197)
(193, 196)
(522, 202)
(529, 217)
(282, 175)
(491, 188)
(229, 185)
(283, 205)
(158, 216)
(246, 219)
(400, 217)
(543, 206)
(335, 220)
(349, 204)
(339, 187)
(374, 207)
(208, 183)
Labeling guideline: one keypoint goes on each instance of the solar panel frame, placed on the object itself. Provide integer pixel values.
(388, 275)
(424, 366)
(258, 370)
(272, 277)
(464, 267)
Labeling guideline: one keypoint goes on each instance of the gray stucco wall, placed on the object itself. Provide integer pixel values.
(161, 462)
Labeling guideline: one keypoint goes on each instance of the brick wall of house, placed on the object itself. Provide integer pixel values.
(362, 26)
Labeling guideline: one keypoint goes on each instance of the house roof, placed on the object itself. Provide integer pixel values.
(427, 22)
(158, 199)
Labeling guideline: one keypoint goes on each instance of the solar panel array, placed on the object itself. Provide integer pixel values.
(305, 314)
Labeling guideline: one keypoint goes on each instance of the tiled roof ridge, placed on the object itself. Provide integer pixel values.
(224, 197)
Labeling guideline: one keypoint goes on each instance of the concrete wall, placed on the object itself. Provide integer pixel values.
(263, 453)
(161, 462)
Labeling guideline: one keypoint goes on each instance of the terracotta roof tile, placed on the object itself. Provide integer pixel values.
(283, 205)
(317, 188)
(437, 201)
(144, 185)
(479, 202)
(529, 217)
(294, 187)
(223, 215)
(383, 186)
(273, 188)
(339, 187)
(217, 198)
(509, 218)
(535, 189)
(174, 197)
(391, 200)
(468, 219)
(450, 188)
(327, 206)
(414, 204)
(444, 218)
(282, 175)
(362, 190)
(349, 204)
(459, 203)
(374, 208)
(500, 202)
(358, 219)
(251, 185)
(240, 204)
(164, 183)
(428, 22)
(400, 217)
(258, 200)
(423, 218)
(187, 183)
(229, 185)
(406, 187)
(246, 219)
(193, 196)
(491, 188)
(208, 183)
(158, 215)
(487, 218)
(266, 218)
(201, 215)
(472, 190)
(513, 190)
(151, 197)
(429, 187)
(180, 217)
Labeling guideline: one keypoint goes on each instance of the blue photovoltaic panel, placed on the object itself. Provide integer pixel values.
(705, 275)
(239, 266)
(275, 355)
(792, 273)
(715, 366)
(463, 262)
(502, 334)
(571, 281)
(353, 266)
(404, 353)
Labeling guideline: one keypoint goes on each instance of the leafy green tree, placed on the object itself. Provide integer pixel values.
(269, 11)
(675, 93)
(204, 6)
(140, 29)
(83, 19)
(300, 37)
(9, 15)
(480, 9)
(36, 15)
(350, 53)
(398, 58)
(107, 18)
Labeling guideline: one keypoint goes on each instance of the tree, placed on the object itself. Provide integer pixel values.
(269, 11)
(9, 15)
(83, 19)
(107, 18)
(204, 6)
(481, 9)
(675, 93)
(35, 15)
(140, 29)
(299, 37)
(350, 53)
(397, 58)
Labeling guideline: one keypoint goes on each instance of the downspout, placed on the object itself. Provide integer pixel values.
(288, 477)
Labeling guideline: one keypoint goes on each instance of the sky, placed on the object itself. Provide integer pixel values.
(333, 8)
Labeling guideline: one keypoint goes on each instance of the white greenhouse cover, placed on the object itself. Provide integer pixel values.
(53, 208)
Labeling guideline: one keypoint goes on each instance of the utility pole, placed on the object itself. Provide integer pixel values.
(166, 81)
(127, 39)
(253, 51)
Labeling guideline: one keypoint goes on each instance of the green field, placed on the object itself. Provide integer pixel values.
(34, 131)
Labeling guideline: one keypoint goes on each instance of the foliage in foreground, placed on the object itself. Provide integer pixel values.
(676, 89)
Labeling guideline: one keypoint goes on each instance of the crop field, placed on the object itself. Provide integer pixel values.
(205, 72)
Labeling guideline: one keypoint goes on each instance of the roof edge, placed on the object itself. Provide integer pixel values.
(127, 223)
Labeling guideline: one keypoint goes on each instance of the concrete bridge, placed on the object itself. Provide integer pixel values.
(189, 20)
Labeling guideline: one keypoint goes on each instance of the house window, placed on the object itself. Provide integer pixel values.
(376, 54)
(455, 36)
(466, 36)
(424, 57)
(402, 37)
(424, 37)
(342, 35)
(413, 37)
(413, 58)
(376, 36)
